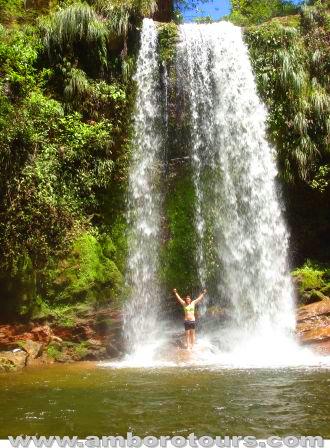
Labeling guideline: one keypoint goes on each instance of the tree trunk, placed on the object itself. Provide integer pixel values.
(164, 12)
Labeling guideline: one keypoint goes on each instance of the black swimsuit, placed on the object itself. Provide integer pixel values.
(189, 325)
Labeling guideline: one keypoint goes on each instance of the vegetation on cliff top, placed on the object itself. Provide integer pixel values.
(66, 94)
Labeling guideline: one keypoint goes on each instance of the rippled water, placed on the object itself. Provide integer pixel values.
(84, 399)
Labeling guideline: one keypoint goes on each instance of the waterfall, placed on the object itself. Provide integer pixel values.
(234, 172)
(142, 309)
(242, 240)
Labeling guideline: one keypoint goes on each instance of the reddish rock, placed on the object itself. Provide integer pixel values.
(322, 347)
(313, 326)
(42, 334)
(315, 335)
(314, 309)
(80, 332)
(100, 330)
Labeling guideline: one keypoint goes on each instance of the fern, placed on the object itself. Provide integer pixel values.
(76, 86)
(76, 24)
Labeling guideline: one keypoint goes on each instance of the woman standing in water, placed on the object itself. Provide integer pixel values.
(189, 316)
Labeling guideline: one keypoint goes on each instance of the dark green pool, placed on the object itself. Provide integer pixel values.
(83, 399)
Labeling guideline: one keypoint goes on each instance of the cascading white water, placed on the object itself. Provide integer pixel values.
(142, 309)
(234, 173)
(237, 214)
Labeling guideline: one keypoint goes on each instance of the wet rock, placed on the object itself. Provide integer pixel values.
(11, 335)
(32, 348)
(321, 308)
(56, 339)
(13, 360)
(113, 351)
(42, 334)
(82, 331)
(313, 325)
(322, 347)
(94, 342)
(315, 335)
(94, 335)
(42, 360)
(95, 354)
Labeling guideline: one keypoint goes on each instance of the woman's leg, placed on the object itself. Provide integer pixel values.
(187, 338)
(192, 337)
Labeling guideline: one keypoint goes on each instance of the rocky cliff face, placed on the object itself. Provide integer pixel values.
(93, 336)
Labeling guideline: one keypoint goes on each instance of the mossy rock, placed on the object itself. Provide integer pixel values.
(167, 41)
(87, 274)
(309, 277)
(316, 296)
(80, 351)
(54, 351)
(326, 290)
(105, 325)
(312, 281)
(6, 365)
(178, 265)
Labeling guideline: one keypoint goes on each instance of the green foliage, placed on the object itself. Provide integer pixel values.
(167, 38)
(129, 8)
(18, 54)
(321, 179)
(63, 315)
(53, 351)
(93, 98)
(87, 273)
(296, 92)
(122, 14)
(76, 86)
(71, 162)
(313, 280)
(249, 12)
(206, 19)
(10, 10)
(19, 288)
(311, 276)
(61, 136)
(80, 350)
(76, 30)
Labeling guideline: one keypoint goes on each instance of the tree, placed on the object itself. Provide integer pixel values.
(257, 11)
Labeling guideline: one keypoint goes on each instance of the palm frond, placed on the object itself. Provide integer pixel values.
(76, 86)
(76, 23)
(300, 123)
(320, 100)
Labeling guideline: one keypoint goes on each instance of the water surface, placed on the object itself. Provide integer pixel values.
(84, 399)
